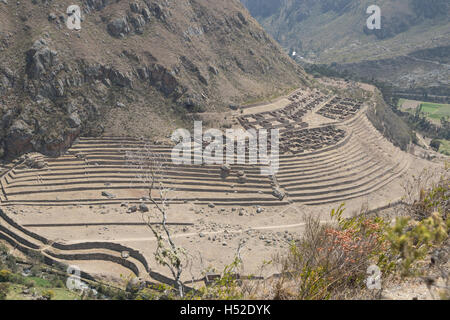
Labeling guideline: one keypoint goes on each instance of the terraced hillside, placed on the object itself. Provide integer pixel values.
(79, 207)
(340, 157)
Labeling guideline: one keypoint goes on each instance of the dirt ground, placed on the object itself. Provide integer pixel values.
(211, 236)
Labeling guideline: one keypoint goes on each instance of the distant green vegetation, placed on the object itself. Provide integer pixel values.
(435, 111)
(444, 147)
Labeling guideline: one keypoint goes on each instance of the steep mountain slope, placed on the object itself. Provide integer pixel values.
(335, 31)
(134, 68)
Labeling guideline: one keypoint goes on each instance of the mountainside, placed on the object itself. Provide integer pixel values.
(134, 68)
(335, 31)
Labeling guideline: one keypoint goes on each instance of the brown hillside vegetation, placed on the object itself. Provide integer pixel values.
(135, 68)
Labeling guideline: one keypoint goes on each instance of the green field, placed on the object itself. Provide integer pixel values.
(15, 293)
(434, 111)
(444, 148)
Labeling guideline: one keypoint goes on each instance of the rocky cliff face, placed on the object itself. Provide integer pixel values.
(134, 68)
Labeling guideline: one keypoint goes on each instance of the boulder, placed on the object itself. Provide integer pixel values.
(108, 195)
(213, 70)
(225, 171)
(19, 138)
(134, 7)
(39, 59)
(119, 78)
(135, 285)
(52, 17)
(277, 193)
(242, 179)
(132, 209)
(39, 164)
(146, 13)
(74, 120)
(118, 26)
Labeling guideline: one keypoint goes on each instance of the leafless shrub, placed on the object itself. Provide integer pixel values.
(150, 170)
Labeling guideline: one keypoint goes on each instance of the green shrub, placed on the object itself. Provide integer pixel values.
(58, 283)
(3, 248)
(4, 289)
(412, 240)
(5, 275)
(11, 263)
(35, 270)
(48, 294)
(435, 144)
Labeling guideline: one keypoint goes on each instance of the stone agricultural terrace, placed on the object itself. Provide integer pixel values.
(329, 153)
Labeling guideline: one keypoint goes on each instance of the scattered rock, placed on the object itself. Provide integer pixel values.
(132, 209)
(146, 13)
(134, 7)
(211, 205)
(213, 70)
(118, 27)
(135, 285)
(277, 193)
(225, 171)
(74, 120)
(143, 207)
(108, 195)
(52, 17)
(242, 179)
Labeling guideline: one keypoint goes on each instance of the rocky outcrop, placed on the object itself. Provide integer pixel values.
(178, 57)
(7, 79)
(19, 138)
(39, 59)
(136, 19)
(119, 27)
